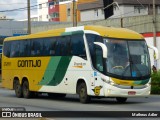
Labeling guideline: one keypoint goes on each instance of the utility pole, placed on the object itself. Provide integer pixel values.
(29, 18)
(74, 14)
(154, 23)
(154, 31)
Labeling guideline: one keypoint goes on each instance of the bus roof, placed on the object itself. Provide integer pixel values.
(110, 32)
(113, 32)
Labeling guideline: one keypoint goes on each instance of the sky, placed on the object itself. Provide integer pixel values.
(16, 4)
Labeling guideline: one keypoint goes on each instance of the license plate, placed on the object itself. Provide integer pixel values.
(131, 92)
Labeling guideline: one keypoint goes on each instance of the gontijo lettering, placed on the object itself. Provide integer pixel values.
(29, 63)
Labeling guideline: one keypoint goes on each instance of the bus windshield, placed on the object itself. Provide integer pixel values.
(127, 59)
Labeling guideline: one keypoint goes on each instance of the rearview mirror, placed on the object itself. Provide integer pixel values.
(104, 48)
(156, 55)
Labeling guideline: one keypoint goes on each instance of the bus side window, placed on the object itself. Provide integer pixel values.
(52, 46)
(7, 48)
(49, 46)
(58, 47)
(24, 50)
(36, 47)
(15, 49)
(32, 48)
(65, 48)
(77, 46)
(46, 45)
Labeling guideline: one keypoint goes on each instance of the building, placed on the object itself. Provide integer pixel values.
(33, 18)
(56, 10)
(3, 17)
(49, 10)
(94, 10)
(91, 11)
(43, 10)
(59, 10)
(17, 28)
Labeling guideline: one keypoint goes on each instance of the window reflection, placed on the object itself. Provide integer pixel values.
(127, 58)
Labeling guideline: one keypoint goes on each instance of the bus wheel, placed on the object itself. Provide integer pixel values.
(25, 89)
(83, 97)
(121, 99)
(18, 89)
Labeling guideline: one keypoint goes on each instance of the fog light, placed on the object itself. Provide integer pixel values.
(108, 91)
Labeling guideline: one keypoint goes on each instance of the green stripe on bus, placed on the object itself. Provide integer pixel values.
(141, 82)
(56, 71)
(61, 71)
(50, 71)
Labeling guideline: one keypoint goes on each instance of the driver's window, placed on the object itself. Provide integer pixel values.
(98, 58)
(95, 51)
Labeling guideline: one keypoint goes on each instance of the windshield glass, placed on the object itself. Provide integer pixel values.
(129, 59)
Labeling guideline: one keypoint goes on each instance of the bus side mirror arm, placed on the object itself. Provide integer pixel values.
(104, 48)
(156, 56)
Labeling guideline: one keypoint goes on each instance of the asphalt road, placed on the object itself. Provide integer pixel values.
(71, 103)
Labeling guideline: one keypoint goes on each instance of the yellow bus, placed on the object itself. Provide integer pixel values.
(91, 61)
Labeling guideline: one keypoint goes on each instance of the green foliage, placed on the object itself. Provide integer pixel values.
(155, 83)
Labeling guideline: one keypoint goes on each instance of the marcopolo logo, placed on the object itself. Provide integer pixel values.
(29, 63)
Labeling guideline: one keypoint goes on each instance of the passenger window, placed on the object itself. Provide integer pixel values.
(36, 47)
(7, 48)
(58, 46)
(49, 46)
(77, 46)
(24, 50)
(14, 49)
(65, 48)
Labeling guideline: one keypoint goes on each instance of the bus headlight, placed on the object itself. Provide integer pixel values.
(112, 83)
(109, 81)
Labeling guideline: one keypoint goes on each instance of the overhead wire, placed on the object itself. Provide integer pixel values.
(15, 3)
(35, 7)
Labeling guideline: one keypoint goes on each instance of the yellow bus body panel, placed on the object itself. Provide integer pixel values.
(33, 74)
(115, 32)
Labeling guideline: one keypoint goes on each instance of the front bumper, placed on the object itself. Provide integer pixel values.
(119, 91)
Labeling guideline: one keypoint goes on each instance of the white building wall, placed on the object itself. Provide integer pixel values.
(94, 14)
(128, 10)
(43, 10)
(122, 11)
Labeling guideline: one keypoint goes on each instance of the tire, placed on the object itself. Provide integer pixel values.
(18, 89)
(25, 88)
(56, 95)
(82, 91)
(121, 99)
